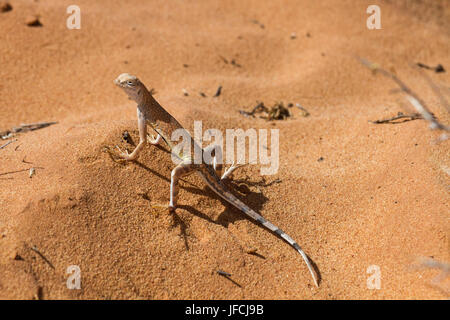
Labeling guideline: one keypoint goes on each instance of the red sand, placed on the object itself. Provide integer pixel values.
(379, 197)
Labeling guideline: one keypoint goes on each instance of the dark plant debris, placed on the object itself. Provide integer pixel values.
(33, 21)
(234, 63)
(258, 23)
(218, 92)
(418, 103)
(439, 68)
(5, 6)
(223, 59)
(277, 112)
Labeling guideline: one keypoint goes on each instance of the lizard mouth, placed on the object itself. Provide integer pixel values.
(117, 82)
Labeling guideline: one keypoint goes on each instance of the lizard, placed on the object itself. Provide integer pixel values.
(150, 112)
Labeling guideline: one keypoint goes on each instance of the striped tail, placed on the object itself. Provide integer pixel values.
(213, 181)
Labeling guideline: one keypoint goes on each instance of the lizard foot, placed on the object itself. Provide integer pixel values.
(113, 155)
(124, 156)
(163, 206)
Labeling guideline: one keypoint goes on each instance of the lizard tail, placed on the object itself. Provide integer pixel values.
(213, 181)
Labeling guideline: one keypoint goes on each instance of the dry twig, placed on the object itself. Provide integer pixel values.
(25, 128)
(399, 116)
(411, 96)
(9, 142)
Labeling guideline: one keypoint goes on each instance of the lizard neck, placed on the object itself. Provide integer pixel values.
(143, 96)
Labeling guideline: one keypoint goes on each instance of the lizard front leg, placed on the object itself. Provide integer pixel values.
(142, 125)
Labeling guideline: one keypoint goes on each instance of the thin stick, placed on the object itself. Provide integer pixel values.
(33, 126)
(11, 172)
(407, 117)
(223, 273)
(435, 88)
(9, 142)
(25, 128)
(413, 98)
(219, 90)
(42, 256)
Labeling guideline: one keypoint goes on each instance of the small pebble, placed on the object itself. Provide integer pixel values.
(218, 92)
(33, 21)
(439, 68)
(126, 136)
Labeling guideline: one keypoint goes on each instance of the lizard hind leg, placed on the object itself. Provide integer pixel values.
(152, 140)
(230, 170)
(179, 171)
(213, 154)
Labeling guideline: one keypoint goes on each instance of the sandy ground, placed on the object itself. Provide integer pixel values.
(378, 196)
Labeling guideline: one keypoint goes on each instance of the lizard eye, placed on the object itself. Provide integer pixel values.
(129, 82)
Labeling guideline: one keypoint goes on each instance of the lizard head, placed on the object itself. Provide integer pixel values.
(131, 85)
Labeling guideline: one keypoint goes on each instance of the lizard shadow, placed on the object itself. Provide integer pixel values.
(178, 221)
(230, 214)
(156, 173)
(224, 218)
(254, 200)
